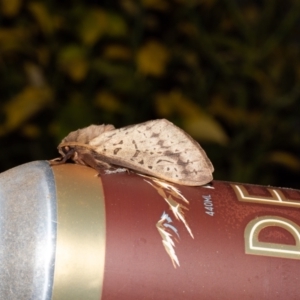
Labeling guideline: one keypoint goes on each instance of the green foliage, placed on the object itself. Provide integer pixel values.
(225, 71)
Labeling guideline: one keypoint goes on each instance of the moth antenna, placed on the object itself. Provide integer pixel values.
(74, 144)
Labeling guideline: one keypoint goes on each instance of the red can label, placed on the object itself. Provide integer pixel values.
(219, 241)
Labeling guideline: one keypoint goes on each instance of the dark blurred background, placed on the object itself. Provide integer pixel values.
(227, 72)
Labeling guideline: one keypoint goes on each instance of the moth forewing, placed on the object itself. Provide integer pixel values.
(85, 135)
(157, 148)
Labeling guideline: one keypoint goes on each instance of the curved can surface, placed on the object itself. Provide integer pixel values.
(27, 232)
(127, 236)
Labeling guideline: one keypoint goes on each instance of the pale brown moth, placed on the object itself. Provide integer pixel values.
(157, 148)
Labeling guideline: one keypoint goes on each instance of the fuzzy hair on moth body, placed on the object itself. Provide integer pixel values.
(157, 148)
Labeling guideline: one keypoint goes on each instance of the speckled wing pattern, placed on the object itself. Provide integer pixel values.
(157, 148)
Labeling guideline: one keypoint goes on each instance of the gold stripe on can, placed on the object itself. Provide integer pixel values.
(80, 247)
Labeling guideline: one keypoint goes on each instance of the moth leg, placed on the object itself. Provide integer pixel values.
(88, 159)
(59, 160)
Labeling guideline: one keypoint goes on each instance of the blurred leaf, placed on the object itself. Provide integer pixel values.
(232, 114)
(35, 75)
(13, 39)
(43, 55)
(116, 26)
(31, 131)
(108, 101)
(117, 52)
(72, 60)
(251, 13)
(285, 159)
(97, 23)
(10, 8)
(111, 69)
(163, 104)
(76, 113)
(152, 58)
(45, 20)
(156, 4)
(205, 128)
(23, 106)
(199, 124)
(93, 26)
(188, 29)
(130, 7)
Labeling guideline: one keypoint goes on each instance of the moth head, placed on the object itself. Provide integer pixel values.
(66, 151)
(71, 151)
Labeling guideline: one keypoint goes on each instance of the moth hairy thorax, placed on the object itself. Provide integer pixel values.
(157, 148)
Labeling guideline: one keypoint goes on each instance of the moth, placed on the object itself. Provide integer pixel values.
(157, 148)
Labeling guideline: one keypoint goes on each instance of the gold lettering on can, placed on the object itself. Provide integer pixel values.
(253, 245)
(276, 197)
